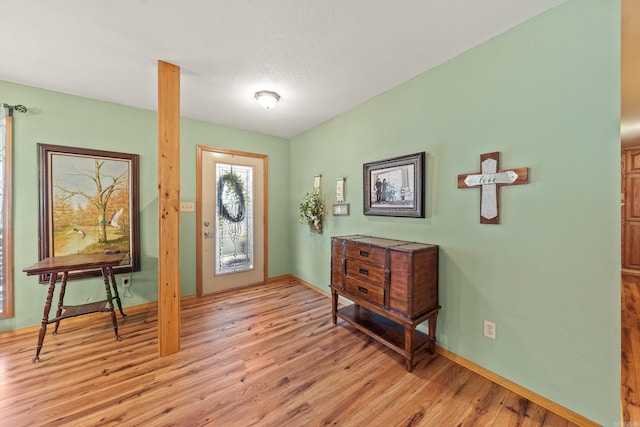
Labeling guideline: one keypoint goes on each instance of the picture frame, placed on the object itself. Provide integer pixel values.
(340, 190)
(89, 203)
(317, 183)
(395, 186)
(341, 209)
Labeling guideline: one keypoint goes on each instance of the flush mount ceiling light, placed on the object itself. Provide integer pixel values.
(267, 99)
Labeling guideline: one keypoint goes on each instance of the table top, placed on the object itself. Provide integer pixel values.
(74, 262)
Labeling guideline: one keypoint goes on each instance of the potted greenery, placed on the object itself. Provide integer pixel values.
(312, 211)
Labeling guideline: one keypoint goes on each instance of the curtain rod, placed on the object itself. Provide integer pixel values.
(19, 108)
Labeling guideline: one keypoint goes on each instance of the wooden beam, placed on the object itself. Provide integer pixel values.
(168, 208)
(7, 228)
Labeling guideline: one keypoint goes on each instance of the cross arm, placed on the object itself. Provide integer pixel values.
(522, 177)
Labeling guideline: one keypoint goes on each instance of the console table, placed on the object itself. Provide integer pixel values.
(74, 263)
(394, 287)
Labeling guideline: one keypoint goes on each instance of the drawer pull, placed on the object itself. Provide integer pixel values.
(363, 290)
(363, 253)
(363, 271)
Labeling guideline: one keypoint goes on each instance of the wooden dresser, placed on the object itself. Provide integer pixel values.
(394, 287)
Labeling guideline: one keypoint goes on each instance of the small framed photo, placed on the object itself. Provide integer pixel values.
(317, 182)
(340, 190)
(395, 187)
(341, 209)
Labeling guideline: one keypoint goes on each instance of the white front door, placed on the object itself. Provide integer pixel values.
(231, 219)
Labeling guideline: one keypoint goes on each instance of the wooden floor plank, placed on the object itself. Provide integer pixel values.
(630, 343)
(262, 356)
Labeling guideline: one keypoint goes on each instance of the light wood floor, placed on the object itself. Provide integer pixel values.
(263, 356)
(631, 350)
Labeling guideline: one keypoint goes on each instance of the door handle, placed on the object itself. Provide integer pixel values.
(208, 234)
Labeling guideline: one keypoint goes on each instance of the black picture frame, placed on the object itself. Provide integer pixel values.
(395, 187)
(89, 203)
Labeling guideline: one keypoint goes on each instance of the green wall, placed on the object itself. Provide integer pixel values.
(546, 95)
(61, 119)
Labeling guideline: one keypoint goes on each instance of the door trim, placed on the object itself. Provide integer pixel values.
(200, 149)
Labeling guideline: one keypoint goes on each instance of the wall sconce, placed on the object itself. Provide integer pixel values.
(267, 99)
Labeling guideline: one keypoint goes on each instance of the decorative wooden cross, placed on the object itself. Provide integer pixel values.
(489, 179)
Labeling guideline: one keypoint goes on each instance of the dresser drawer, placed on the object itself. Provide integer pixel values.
(371, 254)
(393, 285)
(370, 273)
(365, 291)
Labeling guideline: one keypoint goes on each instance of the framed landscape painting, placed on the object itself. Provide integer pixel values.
(89, 204)
(395, 187)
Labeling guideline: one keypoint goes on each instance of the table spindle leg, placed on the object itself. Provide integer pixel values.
(63, 289)
(116, 295)
(45, 317)
(106, 275)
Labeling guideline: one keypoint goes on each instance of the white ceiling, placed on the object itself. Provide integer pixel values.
(323, 57)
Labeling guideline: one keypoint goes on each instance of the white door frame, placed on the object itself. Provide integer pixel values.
(200, 149)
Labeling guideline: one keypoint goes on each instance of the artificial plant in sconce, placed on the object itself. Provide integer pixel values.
(312, 211)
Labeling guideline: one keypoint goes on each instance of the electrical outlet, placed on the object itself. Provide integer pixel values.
(489, 329)
(126, 282)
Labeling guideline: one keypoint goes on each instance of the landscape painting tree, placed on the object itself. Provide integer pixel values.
(90, 198)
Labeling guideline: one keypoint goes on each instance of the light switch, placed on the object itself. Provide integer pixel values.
(187, 207)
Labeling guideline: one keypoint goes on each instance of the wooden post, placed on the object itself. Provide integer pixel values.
(7, 228)
(169, 208)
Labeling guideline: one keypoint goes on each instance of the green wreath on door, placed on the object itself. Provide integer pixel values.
(231, 182)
